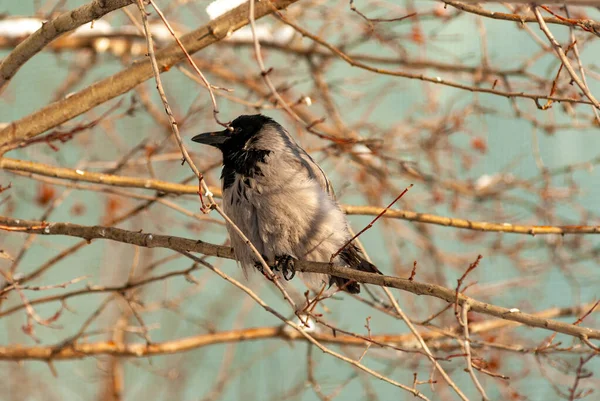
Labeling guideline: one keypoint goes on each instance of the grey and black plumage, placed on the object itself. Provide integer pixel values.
(282, 201)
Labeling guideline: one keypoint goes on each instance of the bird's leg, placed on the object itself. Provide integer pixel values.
(285, 264)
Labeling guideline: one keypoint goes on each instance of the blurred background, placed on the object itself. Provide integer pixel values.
(470, 136)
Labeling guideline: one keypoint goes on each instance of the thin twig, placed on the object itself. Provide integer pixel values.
(464, 322)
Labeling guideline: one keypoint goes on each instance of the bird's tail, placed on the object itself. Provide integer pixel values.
(354, 259)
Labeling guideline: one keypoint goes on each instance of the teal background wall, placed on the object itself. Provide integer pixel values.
(267, 369)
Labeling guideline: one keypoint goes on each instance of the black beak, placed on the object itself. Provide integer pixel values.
(216, 139)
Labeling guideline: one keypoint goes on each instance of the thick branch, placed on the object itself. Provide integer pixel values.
(188, 245)
(51, 30)
(122, 82)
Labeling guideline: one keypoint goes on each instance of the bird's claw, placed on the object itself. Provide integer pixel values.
(285, 264)
(259, 266)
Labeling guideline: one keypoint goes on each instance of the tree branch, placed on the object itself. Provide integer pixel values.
(188, 245)
(63, 110)
(80, 350)
(434, 80)
(174, 188)
(51, 30)
(559, 2)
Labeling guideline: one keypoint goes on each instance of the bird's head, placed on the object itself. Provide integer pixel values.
(242, 134)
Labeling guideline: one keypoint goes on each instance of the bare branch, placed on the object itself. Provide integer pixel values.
(51, 30)
(122, 82)
(187, 245)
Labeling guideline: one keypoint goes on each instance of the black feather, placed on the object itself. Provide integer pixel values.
(352, 256)
(228, 176)
(237, 157)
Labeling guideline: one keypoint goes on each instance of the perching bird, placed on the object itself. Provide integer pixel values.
(277, 195)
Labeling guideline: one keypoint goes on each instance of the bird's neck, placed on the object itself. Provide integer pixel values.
(242, 162)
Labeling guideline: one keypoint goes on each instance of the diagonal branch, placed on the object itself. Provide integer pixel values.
(63, 110)
(562, 56)
(52, 30)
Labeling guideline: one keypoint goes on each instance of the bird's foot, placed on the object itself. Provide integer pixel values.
(286, 265)
(259, 267)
